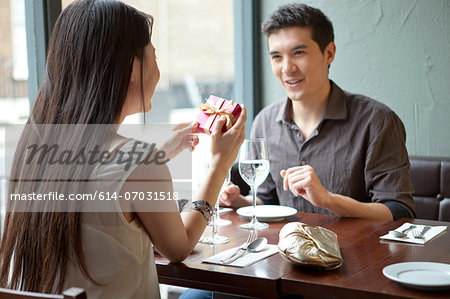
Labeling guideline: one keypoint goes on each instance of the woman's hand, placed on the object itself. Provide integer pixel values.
(184, 138)
(225, 146)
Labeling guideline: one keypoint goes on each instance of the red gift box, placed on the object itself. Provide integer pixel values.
(212, 110)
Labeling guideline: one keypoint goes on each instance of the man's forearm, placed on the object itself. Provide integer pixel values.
(249, 200)
(345, 206)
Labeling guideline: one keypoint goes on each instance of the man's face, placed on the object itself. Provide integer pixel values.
(298, 63)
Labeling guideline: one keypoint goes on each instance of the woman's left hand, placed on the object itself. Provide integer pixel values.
(184, 138)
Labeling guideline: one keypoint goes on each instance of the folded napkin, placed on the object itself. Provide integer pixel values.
(246, 260)
(430, 234)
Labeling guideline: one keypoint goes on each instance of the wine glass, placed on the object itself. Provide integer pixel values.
(216, 238)
(254, 169)
(219, 221)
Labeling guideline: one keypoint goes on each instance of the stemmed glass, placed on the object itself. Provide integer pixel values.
(254, 169)
(214, 238)
(217, 221)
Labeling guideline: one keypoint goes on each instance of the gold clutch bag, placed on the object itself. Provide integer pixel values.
(311, 246)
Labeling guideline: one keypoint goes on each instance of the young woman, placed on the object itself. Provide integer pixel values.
(101, 67)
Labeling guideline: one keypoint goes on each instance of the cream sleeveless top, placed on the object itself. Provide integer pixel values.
(118, 254)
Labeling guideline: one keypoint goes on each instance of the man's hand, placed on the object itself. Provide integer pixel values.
(303, 180)
(231, 197)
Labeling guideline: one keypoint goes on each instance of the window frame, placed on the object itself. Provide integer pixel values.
(247, 86)
(40, 17)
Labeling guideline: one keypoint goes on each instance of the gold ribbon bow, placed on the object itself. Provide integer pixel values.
(217, 110)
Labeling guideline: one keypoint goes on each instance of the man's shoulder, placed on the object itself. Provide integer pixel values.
(366, 110)
(362, 103)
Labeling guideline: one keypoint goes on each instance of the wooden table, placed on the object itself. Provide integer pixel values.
(365, 255)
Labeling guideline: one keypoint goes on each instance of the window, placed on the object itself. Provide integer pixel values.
(194, 42)
(14, 105)
(195, 50)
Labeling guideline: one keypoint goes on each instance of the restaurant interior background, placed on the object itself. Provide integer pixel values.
(394, 51)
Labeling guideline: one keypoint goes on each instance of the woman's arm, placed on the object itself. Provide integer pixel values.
(173, 235)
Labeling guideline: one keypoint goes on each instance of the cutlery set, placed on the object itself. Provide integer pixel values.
(417, 233)
(252, 244)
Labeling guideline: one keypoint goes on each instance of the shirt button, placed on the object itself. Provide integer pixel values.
(303, 162)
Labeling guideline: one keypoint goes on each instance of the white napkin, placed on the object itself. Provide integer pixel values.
(430, 234)
(246, 260)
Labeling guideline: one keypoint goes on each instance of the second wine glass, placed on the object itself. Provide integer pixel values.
(254, 169)
(219, 221)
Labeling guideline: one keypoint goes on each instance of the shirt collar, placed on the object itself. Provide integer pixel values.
(284, 114)
(336, 107)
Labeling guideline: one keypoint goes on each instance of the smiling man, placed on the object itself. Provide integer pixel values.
(330, 151)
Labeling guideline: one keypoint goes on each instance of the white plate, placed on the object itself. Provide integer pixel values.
(267, 212)
(420, 275)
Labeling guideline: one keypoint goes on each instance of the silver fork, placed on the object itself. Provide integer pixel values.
(251, 237)
(420, 235)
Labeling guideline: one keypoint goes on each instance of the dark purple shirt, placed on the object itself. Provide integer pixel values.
(357, 150)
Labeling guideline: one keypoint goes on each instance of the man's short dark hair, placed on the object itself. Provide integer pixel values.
(301, 15)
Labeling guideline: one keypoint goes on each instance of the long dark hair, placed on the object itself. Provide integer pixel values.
(89, 64)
